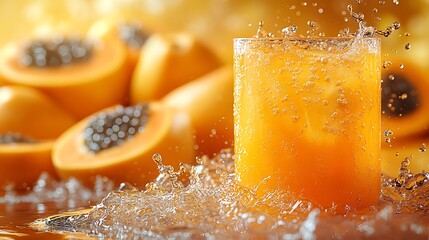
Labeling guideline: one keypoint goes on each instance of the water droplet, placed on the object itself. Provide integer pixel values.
(422, 148)
(386, 64)
(312, 24)
(387, 132)
(407, 46)
(157, 158)
(261, 33)
(396, 25)
(289, 31)
(403, 96)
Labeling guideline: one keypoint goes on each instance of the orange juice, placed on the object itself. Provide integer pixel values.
(307, 118)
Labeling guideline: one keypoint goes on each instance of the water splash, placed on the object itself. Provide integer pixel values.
(348, 13)
(47, 189)
(208, 203)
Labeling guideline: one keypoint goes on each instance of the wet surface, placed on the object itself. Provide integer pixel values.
(48, 197)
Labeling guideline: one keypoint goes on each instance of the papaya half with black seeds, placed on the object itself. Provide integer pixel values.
(404, 99)
(29, 123)
(81, 74)
(119, 143)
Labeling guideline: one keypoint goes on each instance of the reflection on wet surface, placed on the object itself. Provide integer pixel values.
(48, 197)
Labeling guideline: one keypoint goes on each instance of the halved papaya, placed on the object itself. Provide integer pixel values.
(96, 146)
(29, 123)
(404, 99)
(394, 153)
(168, 61)
(208, 100)
(83, 75)
(132, 34)
(31, 113)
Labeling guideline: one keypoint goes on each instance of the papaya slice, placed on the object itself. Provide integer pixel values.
(415, 148)
(83, 75)
(96, 146)
(208, 100)
(404, 99)
(168, 61)
(29, 123)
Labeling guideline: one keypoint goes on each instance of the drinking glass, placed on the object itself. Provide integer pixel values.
(307, 118)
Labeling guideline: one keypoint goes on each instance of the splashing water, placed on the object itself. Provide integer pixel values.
(362, 31)
(48, 189)
(210, 204)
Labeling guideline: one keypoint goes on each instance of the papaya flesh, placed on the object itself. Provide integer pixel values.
(166, 132)
(81, 87)
(208, 100)
(31, 113)
(37, 121)
(21, 164)
(168, 61)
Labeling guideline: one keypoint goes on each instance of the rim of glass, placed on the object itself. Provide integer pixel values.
(315, 38)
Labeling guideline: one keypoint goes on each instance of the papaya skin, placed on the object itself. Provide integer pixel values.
(167, 62)
(81, 88)
(32, 114)
(208, 100)
(21, 164)
(167, 132)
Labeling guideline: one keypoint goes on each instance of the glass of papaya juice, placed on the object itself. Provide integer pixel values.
(307, 118)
